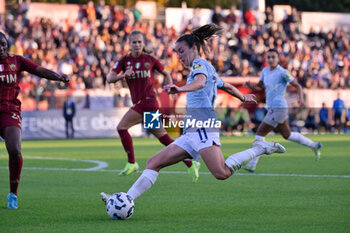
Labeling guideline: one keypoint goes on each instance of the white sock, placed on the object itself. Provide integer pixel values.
(301, 139)
(243, 157)
(259, 138)
(143, 183)
(254, 161)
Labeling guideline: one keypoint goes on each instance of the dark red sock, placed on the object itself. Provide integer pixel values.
(15, 167)
(166, 140)
(127, 144)
(188, 163)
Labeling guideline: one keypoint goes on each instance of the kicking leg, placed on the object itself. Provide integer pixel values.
(170, 155)
(165, 139)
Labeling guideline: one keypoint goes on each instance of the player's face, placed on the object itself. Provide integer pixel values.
(185, 53)
(136, 44)
(3, 47)
(272, 59)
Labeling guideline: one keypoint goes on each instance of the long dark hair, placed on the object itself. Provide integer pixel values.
(200, 36)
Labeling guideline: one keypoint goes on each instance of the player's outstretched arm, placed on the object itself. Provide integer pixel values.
(295, 84)
(255, 87)
(113, 77)
(50, 75)
(198, 83)
(250, 98)
(167, 78)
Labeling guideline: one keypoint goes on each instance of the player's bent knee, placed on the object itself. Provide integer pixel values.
(14, 153)
(285, 136)
(153, 164)
(221, 175)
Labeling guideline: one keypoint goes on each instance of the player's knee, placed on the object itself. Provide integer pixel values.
(152, 163)
(285, 135)
(119, 127)
(14, 152)
(221, 175)
(122, 131)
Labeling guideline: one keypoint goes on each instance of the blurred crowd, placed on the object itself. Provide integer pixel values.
(87, 49)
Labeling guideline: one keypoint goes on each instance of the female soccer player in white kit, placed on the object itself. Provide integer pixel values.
(196, 142)
(275, 79)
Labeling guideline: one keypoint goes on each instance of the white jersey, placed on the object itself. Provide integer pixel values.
(200, 103)
(275, 83)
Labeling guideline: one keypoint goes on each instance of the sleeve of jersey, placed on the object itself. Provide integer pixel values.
(262, 76)
(157, 65)
(288, 77)
(118, 66)
(26, 64)
(220, 83)
(199, 68)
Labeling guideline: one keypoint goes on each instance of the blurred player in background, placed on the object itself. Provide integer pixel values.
(11, 67)
(138, 69)
(199, 142)
(275, 79)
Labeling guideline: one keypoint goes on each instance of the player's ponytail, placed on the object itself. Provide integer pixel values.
(200, 36)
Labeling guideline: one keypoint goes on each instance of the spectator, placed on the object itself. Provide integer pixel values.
(324, 119)
(231, 18)
(310, 122)
(250, 17)
(338, 108)
(68, 114)
(196, 19)
(217, 16)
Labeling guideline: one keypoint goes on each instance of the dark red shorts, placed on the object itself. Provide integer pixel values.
(12, 118)
(146, 105)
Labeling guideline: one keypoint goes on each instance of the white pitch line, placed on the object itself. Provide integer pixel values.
(182, 172)
(100, 164)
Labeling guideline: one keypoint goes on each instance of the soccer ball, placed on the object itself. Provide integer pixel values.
(120, 206)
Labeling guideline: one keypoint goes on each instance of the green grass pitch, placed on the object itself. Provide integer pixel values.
(287, 193)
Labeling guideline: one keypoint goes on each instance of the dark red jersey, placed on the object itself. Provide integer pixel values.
(10, 69)
(141, 84)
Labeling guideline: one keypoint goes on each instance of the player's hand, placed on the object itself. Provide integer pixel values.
(249, 98)
(129, 72)
(64, 78)
(302, 103)
(171, 89)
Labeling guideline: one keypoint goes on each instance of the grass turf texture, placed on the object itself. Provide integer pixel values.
(68, 201)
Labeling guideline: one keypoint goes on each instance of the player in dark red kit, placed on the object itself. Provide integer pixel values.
(138, 70)
(10, 108)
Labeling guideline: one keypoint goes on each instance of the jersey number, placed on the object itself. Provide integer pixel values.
(202, 135)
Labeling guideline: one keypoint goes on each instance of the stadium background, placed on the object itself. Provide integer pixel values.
(85, 40)
(61, 179)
